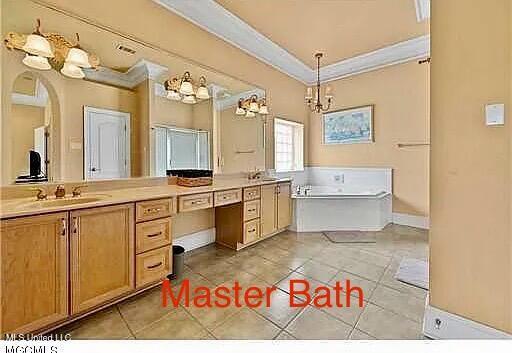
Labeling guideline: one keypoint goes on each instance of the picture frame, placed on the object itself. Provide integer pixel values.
(348, 126)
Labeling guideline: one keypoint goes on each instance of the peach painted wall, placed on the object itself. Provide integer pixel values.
(471, 233)
(400, 98)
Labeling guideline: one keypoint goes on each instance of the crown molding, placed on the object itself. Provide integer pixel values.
(422, 10)
(139, 72)
(215, 19)
(232, 101)
(412, 49)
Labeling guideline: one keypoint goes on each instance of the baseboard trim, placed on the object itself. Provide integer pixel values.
(440, 324)
(196, 240)
(411, 220)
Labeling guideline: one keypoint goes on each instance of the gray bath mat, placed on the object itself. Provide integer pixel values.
(350, 237)
(413, 272)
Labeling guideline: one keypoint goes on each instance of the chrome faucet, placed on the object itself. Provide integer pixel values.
(60, 191)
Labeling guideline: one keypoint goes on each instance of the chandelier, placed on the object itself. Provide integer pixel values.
(315, 104)
(44, 51)
(250, 106)
(185, 89)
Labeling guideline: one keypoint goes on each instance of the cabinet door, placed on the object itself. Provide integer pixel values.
(284, 205)
(268, 209)
(33, 272)
(102, 255)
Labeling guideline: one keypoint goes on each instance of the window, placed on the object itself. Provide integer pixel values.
(288, 145)
(177, 148)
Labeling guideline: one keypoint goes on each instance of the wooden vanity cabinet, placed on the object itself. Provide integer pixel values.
(265, 211)
(102, 255)
(34, 272)
(284, 205)
(268, 209)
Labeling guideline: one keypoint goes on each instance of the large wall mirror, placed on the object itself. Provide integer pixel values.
(128, 116)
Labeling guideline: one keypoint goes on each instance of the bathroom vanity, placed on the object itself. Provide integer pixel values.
(62, 261)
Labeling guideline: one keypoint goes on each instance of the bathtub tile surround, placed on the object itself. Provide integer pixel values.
(391, 309)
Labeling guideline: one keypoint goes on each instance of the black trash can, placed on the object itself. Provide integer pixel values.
(178, 261)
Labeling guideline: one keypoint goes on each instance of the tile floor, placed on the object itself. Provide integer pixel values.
(392, 310)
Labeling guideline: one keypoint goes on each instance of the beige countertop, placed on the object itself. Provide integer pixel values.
(18, 207)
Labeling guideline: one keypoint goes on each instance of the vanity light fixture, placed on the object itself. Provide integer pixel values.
(77, 56)
(72, 71)
(251, 105)
(36, 62)
(186, 90)
(315, 104)
(36, 44)
(191, 99)
(44, 51)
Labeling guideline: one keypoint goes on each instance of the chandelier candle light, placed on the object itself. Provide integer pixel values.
(315, 104)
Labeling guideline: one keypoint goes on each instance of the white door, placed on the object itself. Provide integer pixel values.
(107, 144)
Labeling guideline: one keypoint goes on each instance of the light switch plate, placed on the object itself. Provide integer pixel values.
(495, 114)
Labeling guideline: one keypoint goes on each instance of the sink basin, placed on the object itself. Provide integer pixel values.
(62, 202)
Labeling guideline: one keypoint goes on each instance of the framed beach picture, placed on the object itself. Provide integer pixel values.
(352, 125)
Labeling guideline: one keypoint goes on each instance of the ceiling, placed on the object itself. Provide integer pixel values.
(340, 28)
(355, 35)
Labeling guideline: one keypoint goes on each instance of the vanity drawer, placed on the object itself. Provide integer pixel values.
(227, 197)
(252, 193)
(153, 234)
(195, 202)
(251, 231)
(251, 210)
(153, 209)
(152, 266)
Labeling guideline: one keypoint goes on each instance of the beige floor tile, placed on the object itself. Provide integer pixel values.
(106, 324)
(280, 312)
(373, 258)
(219, 272)
(176, 325)
(313, 284)
(246, 324)
(398, 302)
(212, 317)
(348, 313)
(365, 270)
(355, 281)
(275, 274)
(285, 336)
(315, 324)
(360, 335)
(291, 261)
(318, 271)
(384, 324)
(144, 309)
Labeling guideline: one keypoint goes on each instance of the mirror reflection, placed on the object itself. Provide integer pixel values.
(115, 108)
(30, 123)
